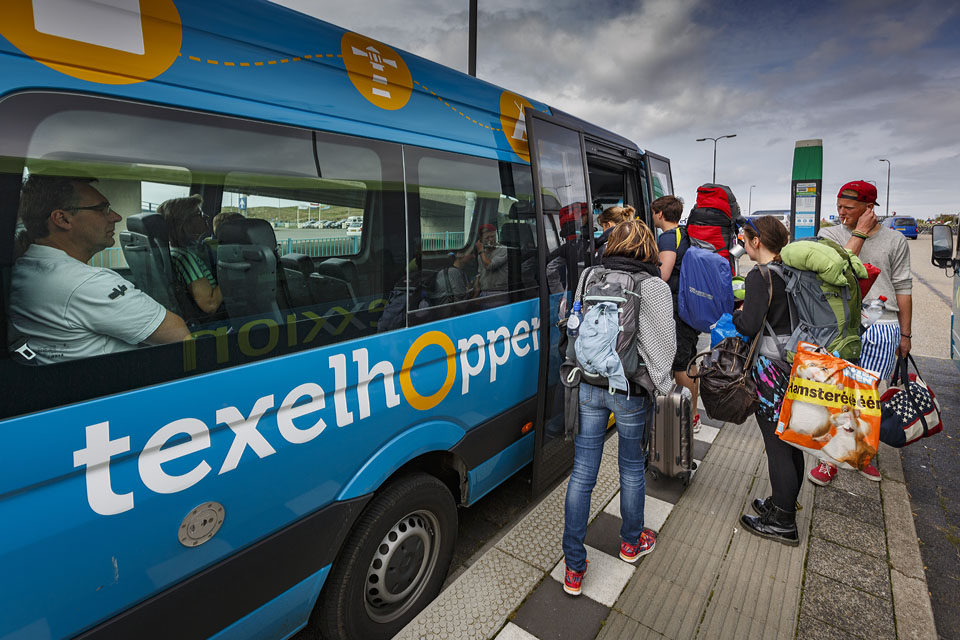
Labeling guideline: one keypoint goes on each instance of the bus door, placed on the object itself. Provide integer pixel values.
(659, 177)
(557, 153)
(614, 171)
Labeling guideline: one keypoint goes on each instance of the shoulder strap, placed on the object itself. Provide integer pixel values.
(679, 237)
(751, 355)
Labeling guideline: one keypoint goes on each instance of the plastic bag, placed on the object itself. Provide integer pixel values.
(724, 328)
(831, 409)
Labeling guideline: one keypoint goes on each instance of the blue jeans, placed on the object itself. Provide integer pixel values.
(632, 415)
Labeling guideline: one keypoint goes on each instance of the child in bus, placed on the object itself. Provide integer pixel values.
(631, 247)
(187, 226)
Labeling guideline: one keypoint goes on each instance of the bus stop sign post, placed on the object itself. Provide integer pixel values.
(805, 189)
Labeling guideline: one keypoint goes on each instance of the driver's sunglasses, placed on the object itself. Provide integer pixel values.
(103, 207)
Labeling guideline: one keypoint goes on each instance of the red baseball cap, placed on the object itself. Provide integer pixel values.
(859, 190)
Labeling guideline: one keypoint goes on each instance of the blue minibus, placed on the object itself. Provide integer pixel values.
(298, 460)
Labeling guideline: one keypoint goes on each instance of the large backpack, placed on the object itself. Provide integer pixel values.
(605, 351)
(706, 288)
(714, 220)
(823, 313)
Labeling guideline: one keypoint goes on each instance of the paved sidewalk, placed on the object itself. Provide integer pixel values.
(856, 574)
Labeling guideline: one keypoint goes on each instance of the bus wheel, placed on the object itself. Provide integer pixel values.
(394, 562)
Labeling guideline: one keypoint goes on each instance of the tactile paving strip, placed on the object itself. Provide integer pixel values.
(478, 603)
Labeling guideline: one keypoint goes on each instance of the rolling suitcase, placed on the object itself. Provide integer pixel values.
(671, 437)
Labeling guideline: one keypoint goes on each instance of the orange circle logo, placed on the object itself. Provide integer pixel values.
(514, 123)
(377, 71)
(123, 42)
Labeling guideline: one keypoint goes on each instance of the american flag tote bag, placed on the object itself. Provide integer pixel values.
(909, 409)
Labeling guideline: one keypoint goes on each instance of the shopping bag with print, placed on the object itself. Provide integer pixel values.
(831, 409)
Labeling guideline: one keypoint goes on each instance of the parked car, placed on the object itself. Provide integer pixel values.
(355, 229)
(309, 224)
(906, 225)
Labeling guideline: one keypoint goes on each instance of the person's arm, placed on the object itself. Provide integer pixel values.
(864, 225)
(498, 259)
(905, 316)
(171, 329)
(667, 260)
(756, 300)
(207, 297)
(657, 333)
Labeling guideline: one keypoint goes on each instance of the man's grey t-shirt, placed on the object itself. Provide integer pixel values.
(493, 277)
(69, 310)
(888, 251)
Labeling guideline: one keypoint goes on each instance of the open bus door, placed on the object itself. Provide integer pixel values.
(945, 254)
(659, 177)
(565, 225)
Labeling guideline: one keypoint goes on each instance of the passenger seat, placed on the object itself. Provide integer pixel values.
(247, 271)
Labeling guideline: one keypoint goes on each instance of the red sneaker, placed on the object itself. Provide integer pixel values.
(572, 580)
(696, 423)
(870, 473)
(646, 543)
(822, 474)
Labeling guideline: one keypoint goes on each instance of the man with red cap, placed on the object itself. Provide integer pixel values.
(860, 232)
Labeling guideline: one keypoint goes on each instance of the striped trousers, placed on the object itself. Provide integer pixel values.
(879, 353)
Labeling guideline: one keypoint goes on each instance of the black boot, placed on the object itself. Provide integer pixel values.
(760, 507)
(776, 524)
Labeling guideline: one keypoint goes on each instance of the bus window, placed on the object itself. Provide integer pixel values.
(477, 234)
(136, 157)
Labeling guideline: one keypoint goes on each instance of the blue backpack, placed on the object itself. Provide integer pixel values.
(706, 287)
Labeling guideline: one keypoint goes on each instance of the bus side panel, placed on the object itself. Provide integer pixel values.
(423, 438)
(489, 475)
(101, 489)
(281, 617)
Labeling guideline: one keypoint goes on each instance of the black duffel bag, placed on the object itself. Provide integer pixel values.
(726, 386)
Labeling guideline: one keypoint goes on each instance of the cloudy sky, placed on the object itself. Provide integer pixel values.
(872, 78)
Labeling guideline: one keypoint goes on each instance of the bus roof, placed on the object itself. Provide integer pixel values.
(262, 61)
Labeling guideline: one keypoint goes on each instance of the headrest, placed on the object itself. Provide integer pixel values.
(521, 209)
(247, 231)
(300, 262)
(338, 268)
(150, 224)
(516, 234)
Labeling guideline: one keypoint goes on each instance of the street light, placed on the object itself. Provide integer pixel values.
(750, 201)
(886, 203)
(732, 135)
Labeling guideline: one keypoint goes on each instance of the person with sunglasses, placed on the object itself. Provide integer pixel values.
(64, 308)
(765, 296)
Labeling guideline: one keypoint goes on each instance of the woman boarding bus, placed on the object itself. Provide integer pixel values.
(292, 458)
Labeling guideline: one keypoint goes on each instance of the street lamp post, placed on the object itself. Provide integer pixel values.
(732, 135)
(886, 202)
(750, 201)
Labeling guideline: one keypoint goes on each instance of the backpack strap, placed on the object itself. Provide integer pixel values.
(679, 237)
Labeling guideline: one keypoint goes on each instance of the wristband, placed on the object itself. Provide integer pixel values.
(859, 234)
(906, 335)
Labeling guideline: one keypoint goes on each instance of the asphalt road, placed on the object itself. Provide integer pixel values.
(933, 481)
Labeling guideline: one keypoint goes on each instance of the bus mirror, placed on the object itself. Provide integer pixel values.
(942, 239)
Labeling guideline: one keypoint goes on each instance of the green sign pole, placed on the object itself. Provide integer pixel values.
(805, 189)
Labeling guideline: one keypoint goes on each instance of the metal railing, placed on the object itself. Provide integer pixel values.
(111, 258)
(322, 247)
(442, 240)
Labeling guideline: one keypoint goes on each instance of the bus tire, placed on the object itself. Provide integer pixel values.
(394, 562)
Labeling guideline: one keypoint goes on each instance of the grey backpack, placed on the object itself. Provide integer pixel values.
(605, 351)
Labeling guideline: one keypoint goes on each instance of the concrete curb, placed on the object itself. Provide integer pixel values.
(911, 597)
